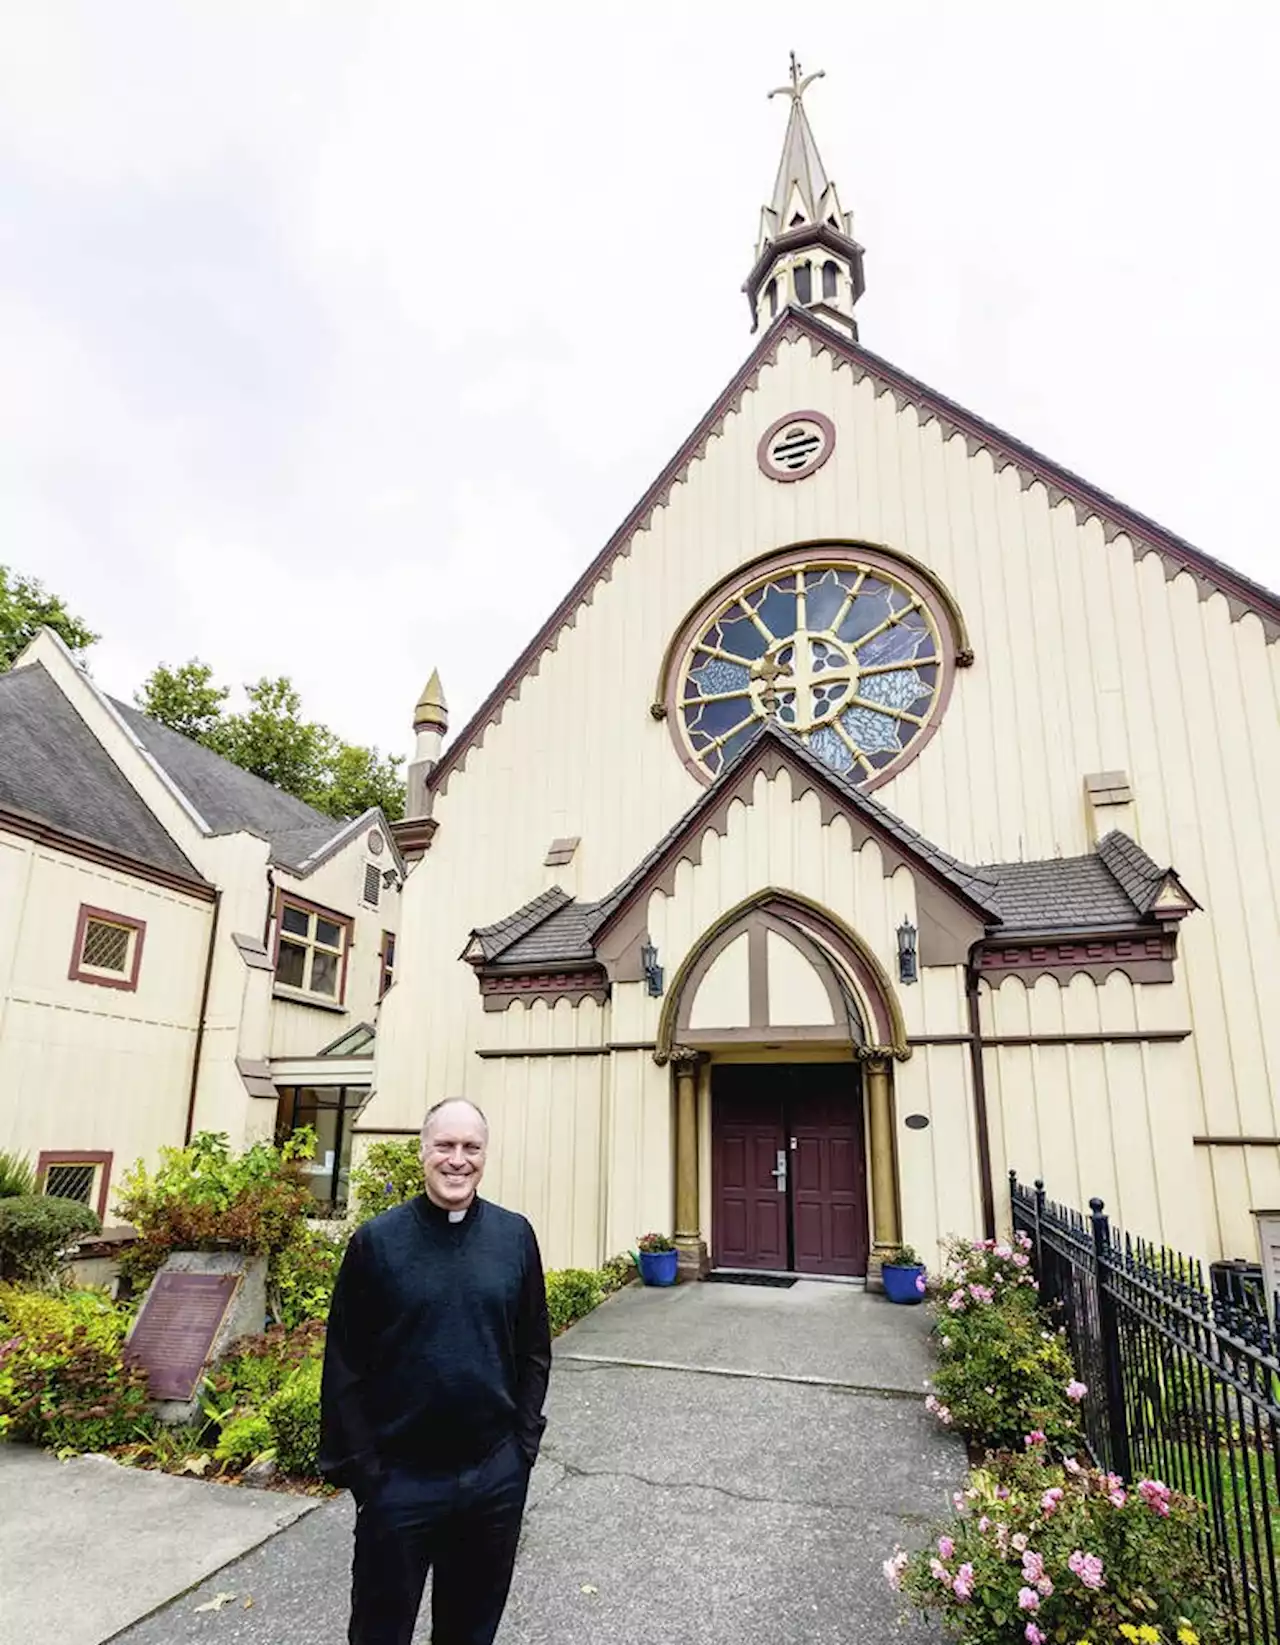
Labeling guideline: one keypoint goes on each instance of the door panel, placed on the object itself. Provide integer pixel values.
(750, 1226)
(824, 1117)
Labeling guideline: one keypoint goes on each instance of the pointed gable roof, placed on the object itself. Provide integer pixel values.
(1117, 519)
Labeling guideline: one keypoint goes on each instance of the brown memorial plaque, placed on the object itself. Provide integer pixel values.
(176, 1329)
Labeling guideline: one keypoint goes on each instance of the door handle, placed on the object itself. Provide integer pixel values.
(780, 1171)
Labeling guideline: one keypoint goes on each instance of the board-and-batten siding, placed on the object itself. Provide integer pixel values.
(1085, 661)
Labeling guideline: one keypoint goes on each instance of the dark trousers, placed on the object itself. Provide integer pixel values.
(463, 1527)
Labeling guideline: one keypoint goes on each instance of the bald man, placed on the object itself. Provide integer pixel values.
(435, 1371)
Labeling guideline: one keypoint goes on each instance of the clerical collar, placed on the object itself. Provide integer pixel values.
(431, 1212)
(457, 1216)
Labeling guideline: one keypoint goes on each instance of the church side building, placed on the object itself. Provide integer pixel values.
(884, 808)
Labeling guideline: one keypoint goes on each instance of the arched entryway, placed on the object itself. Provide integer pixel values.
(781, 1028)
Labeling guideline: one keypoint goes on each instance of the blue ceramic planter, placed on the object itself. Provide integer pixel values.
(903, 1284)
(658, 1267)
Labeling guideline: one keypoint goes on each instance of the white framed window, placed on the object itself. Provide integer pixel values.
(312, 944)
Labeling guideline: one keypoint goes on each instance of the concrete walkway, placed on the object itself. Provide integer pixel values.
(722, 1466)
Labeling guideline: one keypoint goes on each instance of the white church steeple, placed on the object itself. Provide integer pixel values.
(806, 254)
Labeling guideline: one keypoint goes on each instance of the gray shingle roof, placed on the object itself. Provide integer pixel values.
(1108, 890)
(54, 769)
(230, 799)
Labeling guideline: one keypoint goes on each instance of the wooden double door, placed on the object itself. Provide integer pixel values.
(788, 1168)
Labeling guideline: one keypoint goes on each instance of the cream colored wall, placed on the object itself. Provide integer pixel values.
(797, 997)
(83, 1066)
(722, 998)
(1085, 661)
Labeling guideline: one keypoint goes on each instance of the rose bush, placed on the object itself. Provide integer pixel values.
(1047, 1553)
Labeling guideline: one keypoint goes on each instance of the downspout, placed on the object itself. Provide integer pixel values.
(204, 1006)
(980, 1095)
(271, 908)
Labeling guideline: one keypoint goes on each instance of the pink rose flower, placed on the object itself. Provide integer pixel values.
(1156, 1495)
(984, 1524)
(1051, 1498)
(1076, 1390)
(946, 1548)
(1045, 1586)
(1088, 1567)
(1035, 1437)
(939, 1572)
(962, 1587)
(1021, 1259)
(1032, 1566)
(1028, 1599)
(1020, 1541)
(956, 1301)
(893, 1569)
(1032, 1635)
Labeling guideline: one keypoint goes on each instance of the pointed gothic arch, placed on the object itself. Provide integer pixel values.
(864, 1009)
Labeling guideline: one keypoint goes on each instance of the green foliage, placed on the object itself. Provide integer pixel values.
(1002, 1374)
(273, 740)
(389, 1173)
(259, 1366)
(185, 699)
(17, 1175)
(35, 1229)
(617, 1272)
(571, 1293)
(64, 1380)
(243, 1439)
(25, 608)
(203, 1196)
(303, 1273)
(902, 1256)
(656, 1242)
(293, 1417)
(1064, 1553)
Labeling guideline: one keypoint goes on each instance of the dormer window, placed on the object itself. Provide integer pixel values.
(804, 283)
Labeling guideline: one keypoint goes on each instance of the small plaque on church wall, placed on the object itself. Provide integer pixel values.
(176, 1329)
(916, 1122)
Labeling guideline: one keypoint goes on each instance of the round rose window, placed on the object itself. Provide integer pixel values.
(846, 655)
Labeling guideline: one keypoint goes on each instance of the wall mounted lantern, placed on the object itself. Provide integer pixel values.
(652, 970)
(908, 965)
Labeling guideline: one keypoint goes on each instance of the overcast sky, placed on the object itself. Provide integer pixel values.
(337, 337)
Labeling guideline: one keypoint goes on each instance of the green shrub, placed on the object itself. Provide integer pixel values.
(293, 1417)
(17, 1175)
(243, 1438)
(35, 1229)
(1064, 1553)
(259, 1366)
(388, 1174)
(571, 1293)
(64, 1379)
(303, 1273)
(617, 1272)
(203, 1196)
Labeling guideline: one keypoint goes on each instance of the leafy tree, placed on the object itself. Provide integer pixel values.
(25, 608)
(184, 698)
(273, 740)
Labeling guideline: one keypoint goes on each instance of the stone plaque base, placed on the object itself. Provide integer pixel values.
(195, 1308)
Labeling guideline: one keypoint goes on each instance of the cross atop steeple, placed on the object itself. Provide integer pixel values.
(800, 82)
(806, 254)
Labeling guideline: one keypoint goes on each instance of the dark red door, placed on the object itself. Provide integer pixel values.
(788, 1168)
(828, 1178)
(749, 1195)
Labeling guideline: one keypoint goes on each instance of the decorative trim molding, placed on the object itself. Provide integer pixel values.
(499, 990)
(1144, 954)
(413, 836)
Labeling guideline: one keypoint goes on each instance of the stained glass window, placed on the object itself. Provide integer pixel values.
(844, 655)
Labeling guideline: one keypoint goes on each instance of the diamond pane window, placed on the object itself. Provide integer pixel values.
(70, 1182)
(844, 655)
(106, 946)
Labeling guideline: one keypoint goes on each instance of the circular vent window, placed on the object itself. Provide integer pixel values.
(796, 446)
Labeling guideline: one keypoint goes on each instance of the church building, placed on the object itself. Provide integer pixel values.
(884, 808)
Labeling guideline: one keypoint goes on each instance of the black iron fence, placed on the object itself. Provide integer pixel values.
(1184, 1385)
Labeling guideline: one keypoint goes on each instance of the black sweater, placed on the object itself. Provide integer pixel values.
(438, 1347)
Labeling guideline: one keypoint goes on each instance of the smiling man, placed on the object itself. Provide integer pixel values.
(435, 1371)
